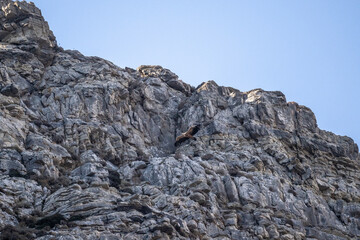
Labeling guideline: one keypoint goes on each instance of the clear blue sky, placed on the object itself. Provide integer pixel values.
(309, 50)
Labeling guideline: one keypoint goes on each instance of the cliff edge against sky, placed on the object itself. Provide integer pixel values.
(87, 152)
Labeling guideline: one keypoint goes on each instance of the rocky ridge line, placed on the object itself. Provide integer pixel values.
(87, 152)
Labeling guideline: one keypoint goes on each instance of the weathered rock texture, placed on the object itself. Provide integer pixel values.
(87, 152)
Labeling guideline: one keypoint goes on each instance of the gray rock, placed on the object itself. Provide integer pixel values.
(87, 152)
(10, 163)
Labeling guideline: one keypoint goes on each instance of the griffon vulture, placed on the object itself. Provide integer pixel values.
(187, 135)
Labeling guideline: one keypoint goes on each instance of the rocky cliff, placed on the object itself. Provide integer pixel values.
(87, 152)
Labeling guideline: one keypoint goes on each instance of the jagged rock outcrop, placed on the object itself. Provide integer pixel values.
(87, 152)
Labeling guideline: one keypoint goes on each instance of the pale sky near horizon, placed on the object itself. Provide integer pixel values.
(309, 50)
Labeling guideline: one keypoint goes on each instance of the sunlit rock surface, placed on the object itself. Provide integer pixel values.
(87, 152)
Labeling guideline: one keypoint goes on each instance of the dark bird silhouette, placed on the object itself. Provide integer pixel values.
(187, 135)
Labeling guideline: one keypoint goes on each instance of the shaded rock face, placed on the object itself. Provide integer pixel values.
(87, 152)
(23, 25)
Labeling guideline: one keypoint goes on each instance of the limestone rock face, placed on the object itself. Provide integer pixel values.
(22, 24)
(87, 152)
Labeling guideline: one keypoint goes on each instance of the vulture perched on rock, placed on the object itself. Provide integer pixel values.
(187, 135)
